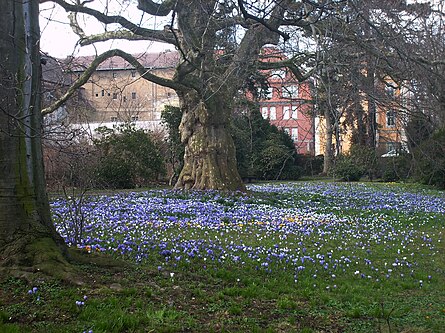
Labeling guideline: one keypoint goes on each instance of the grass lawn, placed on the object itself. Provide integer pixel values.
(287, 257)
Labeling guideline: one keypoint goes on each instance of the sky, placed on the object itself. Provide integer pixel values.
(58, 40)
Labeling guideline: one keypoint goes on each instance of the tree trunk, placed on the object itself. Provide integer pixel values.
(328, 154)
(372, 108)
(28, 239)
(209, 159)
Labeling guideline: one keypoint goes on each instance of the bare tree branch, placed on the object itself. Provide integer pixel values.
(157, 9)
(262, 21)
(149, 34)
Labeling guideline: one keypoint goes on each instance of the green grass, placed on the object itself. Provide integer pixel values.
(203, 296)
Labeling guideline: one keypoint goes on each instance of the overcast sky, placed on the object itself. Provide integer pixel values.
(58, 40)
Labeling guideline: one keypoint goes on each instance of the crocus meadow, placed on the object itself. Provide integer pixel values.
(314, 232)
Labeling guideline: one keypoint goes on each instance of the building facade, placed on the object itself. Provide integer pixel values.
(117, 93)
(288, 105)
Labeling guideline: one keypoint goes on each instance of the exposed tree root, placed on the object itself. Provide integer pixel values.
(39, 259)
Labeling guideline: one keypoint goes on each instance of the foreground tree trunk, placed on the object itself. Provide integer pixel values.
(209, 159)
(28, 239)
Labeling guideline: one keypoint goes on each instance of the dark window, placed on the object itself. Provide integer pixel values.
(133, 73)
(390, 118)
(114, 95)
(133, 95)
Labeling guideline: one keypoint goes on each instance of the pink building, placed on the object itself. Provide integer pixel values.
(288, 105)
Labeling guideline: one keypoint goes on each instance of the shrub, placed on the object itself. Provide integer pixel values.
(347, 169)
(276, 160)
(395, 168)
(128, 157)
(69, 164)
(429, 160)
(262, 150)
(360, 161)
(310, 165)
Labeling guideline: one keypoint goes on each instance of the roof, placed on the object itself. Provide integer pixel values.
(53, 72)
(159, 60)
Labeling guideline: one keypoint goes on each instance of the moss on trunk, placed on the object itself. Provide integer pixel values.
(28, 240)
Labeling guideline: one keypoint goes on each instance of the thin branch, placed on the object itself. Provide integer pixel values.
(292, 64)
(261, 21)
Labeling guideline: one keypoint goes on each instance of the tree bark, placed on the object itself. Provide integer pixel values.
(28, 239)
(209, 159)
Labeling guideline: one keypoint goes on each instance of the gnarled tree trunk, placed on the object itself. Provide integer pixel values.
(28, 239)
(209, 159)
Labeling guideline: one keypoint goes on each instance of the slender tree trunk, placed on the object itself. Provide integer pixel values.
(209, 159)
(28, 239)
(328, 154)
(372, 108)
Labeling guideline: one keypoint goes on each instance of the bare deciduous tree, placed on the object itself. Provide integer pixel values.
(220, 43)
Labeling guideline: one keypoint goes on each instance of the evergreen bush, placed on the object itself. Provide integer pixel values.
(429, 160)
(128, 157)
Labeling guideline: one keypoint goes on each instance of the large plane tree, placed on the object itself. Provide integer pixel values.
(220, 43)
(28, 239)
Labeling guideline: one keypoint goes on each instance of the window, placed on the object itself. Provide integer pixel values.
(286, 130)
(133, 73)
(390, 118)
(134, 118)
(114, 95)
(294, 134)
(391, 147)
(265, 93)
(125, 98)
(113, 119)
(294, 112)
(289, 91)
(278, 74)
(390, 91)
(264, 112)
(286, 111)
(103, 93)
(273, 113)
(133, 95)
(114, 75)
